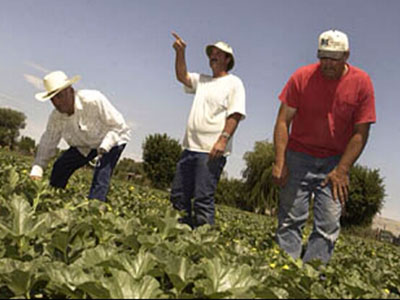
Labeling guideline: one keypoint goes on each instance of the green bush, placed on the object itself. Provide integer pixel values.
(11, 121)
(232, 192)
(160, 156)
(366, 197)
(27, 145)
(128, 169)
(263, 193)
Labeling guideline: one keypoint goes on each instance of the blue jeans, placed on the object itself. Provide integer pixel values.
(306, 173)
(196, 177)
(72, 159)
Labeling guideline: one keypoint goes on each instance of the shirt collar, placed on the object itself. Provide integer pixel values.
(78, 103)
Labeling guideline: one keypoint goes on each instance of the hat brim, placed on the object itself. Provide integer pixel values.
(231, 63)
(44, 96)
(330, 54)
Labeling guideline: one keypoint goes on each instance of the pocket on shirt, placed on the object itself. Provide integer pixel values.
(90, 130)
(216, 106)
(344, 110)
(342, 117)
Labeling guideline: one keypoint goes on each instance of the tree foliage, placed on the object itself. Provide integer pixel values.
(232, 192)
(366, 197)
(262, 192)
(160, 156)
(11, 121)
(27, 145)
(129, 169)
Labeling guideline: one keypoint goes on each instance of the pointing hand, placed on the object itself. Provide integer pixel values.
(179, 44)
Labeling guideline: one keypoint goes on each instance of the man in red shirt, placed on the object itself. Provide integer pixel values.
(328, 107)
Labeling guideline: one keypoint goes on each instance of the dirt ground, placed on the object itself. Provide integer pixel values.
(387, 224)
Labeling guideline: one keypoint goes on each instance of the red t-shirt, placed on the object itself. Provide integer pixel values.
(327, 110)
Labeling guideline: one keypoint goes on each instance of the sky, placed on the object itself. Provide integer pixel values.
(124, 49)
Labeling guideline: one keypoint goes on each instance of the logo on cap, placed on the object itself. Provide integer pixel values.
(324, 42)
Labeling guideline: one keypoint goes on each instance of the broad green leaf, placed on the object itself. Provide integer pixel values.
(95, 290)
(60, 241)
(318, 291)
(19, 282)
(13, 178)
(149, 240)
(123, 286)
(20, 276)
(23, 222)
(223, 278)
(22, 212)
(66, 277)
(179, 271)
(95, 256)
(141, 265)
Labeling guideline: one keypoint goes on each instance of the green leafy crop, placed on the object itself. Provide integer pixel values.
(58, 244)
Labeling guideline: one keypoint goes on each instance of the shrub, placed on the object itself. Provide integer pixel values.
(160, 156)
(232, 192)
(262, 192)
(366, 197)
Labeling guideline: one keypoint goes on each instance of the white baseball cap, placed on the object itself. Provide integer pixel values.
(223, 47)
(332, 44)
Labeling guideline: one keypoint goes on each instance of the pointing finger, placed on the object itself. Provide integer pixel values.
(176, 36)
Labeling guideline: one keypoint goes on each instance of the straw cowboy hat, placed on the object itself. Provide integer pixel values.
(54, 83)
(224, 47)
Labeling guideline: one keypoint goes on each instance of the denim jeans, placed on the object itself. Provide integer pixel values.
(72, 159)
(196, 177)
(306, 173)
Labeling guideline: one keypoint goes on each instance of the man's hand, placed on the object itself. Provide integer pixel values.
(101, 151)
(179, 44)
(280, 174)
(34, 177)
(340, 184)
(218, 148)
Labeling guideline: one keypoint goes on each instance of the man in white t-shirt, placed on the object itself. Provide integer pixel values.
(217, 109)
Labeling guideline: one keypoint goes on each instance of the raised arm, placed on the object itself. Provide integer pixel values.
(180, 62)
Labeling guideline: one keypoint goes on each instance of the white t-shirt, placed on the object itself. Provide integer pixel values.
(215, 100)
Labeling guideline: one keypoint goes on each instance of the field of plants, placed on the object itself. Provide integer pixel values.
(57, 244)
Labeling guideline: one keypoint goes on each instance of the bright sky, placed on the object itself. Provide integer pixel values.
(124, 49)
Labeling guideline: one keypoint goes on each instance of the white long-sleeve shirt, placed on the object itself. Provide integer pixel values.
(94, 124)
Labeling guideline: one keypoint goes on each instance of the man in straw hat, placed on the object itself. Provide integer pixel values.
(218, 106)
(91, 126)
(328, 107)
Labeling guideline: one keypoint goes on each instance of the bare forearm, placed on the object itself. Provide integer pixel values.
(232, 123)
(353, 150)
(180, 67)
(281, 138)
(339, 177)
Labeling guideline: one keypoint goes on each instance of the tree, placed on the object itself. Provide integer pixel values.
(27, 145)
(232, 192)
(366, 197)
(262, 192)
(128, 169)
(160, 155)
(11, 121)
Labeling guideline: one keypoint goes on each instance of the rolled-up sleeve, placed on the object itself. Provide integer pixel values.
(194, 80)
(47, 145)
(237, 99)
(119, 131)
